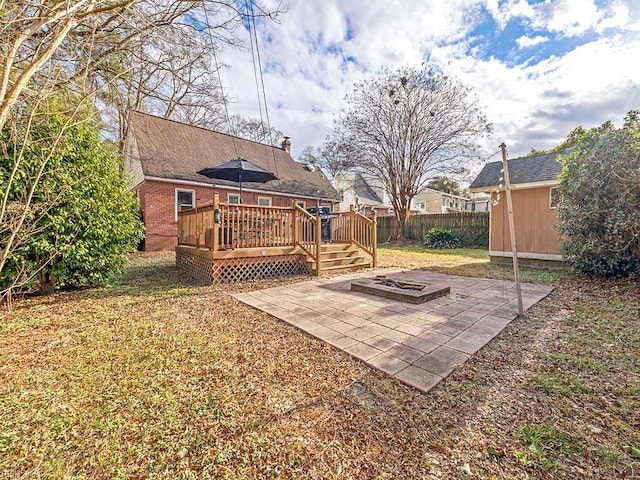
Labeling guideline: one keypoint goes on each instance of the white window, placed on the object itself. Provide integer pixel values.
(264, 201)
(233, 198)
(185, 199)
(341, 193)
(553, 197)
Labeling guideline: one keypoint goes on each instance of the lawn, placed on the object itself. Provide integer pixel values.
(158, 377)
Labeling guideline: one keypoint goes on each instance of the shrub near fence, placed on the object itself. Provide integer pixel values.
(472, 227)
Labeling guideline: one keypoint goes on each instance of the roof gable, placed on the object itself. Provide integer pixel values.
(543, 167)
(177, 151)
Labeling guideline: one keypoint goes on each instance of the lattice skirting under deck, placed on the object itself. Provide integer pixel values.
(195, 265)
(229, 270)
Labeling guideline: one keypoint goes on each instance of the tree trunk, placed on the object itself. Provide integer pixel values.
(401, 225)
(46, 278)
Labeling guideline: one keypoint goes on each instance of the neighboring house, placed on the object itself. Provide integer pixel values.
(533, 182)
(435, 201)
(367, 194)
(163, 157)
(364, 193)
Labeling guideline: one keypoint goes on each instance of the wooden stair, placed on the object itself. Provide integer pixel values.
(339, 258)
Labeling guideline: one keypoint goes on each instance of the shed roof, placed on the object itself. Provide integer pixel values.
(176, 151)
(535, 168)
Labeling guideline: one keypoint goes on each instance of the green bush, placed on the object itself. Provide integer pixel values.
(81, 221)
(599, 197)
(442, 238)
(474, 236)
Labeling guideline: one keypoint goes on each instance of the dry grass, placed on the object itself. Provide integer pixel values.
(159, 377)
(462, 261)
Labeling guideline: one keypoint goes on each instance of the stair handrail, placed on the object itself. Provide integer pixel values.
(371, 249)
(305, 243)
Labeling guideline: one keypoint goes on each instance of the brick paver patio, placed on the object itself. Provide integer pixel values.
(417, 344)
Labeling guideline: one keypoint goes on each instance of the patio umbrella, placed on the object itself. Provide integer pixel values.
(238, 170)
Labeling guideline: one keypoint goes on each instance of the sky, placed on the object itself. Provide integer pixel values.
(539, 67)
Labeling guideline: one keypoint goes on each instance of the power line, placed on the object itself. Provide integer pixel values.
(264, 94)
(215, 59)
(253, 59)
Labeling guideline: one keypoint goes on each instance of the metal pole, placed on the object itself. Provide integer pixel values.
(512, 231)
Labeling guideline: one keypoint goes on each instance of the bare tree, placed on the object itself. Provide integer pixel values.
(408, 125)
(33, 32)
(253, 129)
(169, 72)
(155, 55)
(80, 48)
(333, 156)
(447, 185)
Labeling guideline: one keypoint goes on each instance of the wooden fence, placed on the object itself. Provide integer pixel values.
(472, 227)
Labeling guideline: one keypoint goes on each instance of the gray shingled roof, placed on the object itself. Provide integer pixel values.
(174, 150)
(364, 191)
(536, 168)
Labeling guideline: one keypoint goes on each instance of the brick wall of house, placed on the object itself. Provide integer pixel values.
(158, 204)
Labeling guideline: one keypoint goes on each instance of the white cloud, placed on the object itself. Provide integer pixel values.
(567, 17)
(525, 41)
(531, 105)
(509, 10)
(618, 18)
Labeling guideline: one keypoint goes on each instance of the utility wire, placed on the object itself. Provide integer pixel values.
(264, 94)
(253, 59)
(215, 59)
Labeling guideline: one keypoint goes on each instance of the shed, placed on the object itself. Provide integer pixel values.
(534, 181)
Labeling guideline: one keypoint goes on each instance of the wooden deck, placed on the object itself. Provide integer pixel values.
(229, 242)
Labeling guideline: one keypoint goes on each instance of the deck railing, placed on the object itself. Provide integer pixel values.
(247, 226)
(307, 233)
(363, 233)
(223, 226)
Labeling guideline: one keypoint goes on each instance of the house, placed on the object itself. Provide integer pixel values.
(366, 194)
(533, 183)
(431, 201)
(163, 157)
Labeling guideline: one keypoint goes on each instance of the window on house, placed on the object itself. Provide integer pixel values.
(553, 197)
(233, 198)
(185, 199)
(264, 201)
(341, 192)
(302, 204)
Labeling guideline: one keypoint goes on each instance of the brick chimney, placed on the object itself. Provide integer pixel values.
(286, 145)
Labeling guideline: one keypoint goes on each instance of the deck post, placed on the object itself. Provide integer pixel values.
(197, 228)
(318, 242)
(216, 228)
(374, 238)
(352, 224)
(296, 231)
